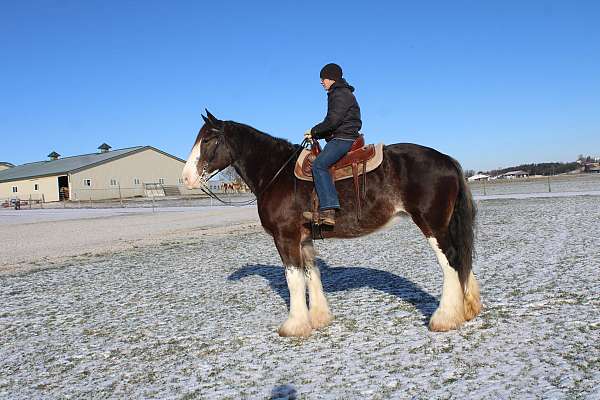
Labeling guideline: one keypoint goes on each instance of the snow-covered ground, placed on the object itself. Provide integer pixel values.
(50, 238)
(196, 317)
(549, 184)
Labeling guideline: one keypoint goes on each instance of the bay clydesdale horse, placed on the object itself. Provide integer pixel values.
(419, 181)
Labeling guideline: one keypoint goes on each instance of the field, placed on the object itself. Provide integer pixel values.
(186, 303)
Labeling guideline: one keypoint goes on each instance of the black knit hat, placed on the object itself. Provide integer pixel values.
(331, 71)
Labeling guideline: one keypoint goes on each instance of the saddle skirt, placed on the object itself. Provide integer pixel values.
(362, 159)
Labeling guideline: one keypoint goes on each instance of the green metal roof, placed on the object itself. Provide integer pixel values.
(69, 164)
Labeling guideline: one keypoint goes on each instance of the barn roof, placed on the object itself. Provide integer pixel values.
(70, 164)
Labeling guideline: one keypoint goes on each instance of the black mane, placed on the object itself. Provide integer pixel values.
(259, 155)
(263, 139)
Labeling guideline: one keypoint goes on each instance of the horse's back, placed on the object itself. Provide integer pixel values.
(419, 160)
(413, 149)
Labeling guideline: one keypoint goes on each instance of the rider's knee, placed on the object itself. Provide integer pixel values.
(318, 164)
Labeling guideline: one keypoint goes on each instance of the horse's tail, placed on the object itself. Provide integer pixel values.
(462, 229)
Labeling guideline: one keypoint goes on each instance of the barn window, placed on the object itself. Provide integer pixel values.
(113, 182)
(36, 187)
(14, 189)
(136, 181)
(161, 181)
(87, 182)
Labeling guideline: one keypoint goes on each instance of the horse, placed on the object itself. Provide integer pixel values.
(419, 181)
(233, 187)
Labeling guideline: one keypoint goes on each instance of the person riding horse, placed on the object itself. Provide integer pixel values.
(339, 129)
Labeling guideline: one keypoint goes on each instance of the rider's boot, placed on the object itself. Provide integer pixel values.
(326, 217)
(308, 215)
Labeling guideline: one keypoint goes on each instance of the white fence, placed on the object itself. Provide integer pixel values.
(147, 195)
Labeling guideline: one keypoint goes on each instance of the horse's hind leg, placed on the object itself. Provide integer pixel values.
(298, 323)
(319, 313)
(450, 314)
(472, 298)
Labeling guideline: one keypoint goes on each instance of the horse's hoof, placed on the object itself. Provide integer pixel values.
(442, 322)
(292, 328)
(472, 299)
(320, 319)
(472, 307)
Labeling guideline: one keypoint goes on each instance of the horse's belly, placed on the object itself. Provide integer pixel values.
(372, 221)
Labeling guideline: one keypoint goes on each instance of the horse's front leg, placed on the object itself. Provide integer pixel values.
(319, 313)
(298, 323)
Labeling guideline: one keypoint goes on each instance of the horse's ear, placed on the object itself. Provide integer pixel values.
(213, 121)
(211, 117)
(206, 121)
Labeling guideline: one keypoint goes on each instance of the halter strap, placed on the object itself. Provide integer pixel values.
(212, 194)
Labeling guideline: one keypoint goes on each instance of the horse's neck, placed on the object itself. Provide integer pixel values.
(259, 157)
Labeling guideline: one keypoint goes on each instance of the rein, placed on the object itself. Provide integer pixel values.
(213, 195)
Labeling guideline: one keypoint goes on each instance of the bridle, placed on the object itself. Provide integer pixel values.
(221, 133)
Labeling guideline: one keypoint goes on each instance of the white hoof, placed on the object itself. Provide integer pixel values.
(295, 328)
(472, 298)
(442, 321)
(319, 318)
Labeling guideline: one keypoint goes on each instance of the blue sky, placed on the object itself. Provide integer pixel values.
(492, 83)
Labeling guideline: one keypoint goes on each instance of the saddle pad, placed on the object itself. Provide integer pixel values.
(342, 173)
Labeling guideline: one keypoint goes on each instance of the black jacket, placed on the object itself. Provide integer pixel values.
(343, 114)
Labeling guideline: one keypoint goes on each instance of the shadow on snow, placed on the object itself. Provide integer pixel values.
(346, 278)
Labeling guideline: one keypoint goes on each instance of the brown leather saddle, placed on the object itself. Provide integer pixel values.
(359, 160)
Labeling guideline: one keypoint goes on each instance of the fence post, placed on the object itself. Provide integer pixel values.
(43, 201)
(30, 202)
(152, 201)
(120, 197)
(484, 192)
(549, 188)
(91, 199)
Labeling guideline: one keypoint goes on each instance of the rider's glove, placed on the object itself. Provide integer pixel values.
(308, 135)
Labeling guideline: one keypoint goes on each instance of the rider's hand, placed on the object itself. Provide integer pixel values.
(308, 135)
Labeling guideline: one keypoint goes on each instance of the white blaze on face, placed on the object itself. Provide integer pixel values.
(190, 175)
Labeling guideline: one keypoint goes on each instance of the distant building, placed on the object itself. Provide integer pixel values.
(216, 185)
(5, 165)
(592, 168)
(514, 174)
(103, 175)
(479, 177)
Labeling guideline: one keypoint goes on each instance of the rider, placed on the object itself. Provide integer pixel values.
(339, 129)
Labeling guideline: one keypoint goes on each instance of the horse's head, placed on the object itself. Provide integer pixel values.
(211, 152)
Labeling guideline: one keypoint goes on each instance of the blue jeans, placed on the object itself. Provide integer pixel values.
(333, 151)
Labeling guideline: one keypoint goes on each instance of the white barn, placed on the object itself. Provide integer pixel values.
(478, 177)
(103, 175)
(514, 174)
